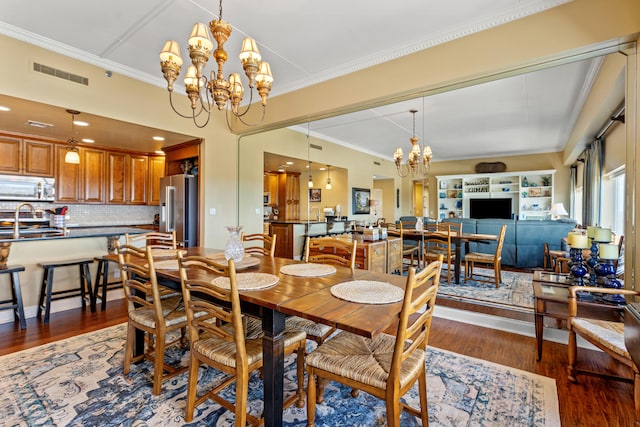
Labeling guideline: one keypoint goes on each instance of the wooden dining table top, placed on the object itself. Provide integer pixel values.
(309, 297)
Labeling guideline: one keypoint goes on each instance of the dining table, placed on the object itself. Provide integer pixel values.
(458, 239)
(302, 295)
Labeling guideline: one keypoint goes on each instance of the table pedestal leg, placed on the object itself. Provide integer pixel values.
(273, 366)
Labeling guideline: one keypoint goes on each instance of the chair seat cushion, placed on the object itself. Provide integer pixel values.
(310, 327)
(172, 310)
(224, 352)
(608, 334)
(364, 360)
(480, 257)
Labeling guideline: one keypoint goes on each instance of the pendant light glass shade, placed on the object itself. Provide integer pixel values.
(72, 157)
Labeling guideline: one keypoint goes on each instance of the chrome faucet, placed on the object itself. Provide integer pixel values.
(16, 224)
(317, 213)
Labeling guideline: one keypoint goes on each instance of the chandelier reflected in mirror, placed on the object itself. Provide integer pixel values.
(204, 92)
(418, 162)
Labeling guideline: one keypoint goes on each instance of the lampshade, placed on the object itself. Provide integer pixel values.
(72, 157)
(557, 210)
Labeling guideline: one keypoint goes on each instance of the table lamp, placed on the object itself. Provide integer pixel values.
(557, 210)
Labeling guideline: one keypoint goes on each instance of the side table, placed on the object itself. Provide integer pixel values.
(551, 299)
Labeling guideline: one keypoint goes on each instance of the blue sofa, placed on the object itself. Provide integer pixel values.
(523, 242)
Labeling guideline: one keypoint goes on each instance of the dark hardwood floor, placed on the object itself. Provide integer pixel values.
(594, 401)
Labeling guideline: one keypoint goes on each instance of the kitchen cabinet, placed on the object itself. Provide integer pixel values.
(116, 178)
(67, 178)
(271, 187)
(92, 168)
(26, 157)
(128, 176)
(156, 171)
(289, 196)
(138, 174)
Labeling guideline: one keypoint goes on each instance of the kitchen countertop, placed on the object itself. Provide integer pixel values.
(76, 232)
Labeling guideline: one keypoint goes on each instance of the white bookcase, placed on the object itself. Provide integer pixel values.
(531, 192)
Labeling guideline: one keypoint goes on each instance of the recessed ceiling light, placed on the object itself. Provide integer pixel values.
(280, 170)
(289, 163)
(323, 169)
(3, 108)
(80, 123)
(160, 152)
(158, 138)
(88, 140)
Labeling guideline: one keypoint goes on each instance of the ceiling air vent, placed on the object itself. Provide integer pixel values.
(40, 125)
(317, 147)
(45, 69)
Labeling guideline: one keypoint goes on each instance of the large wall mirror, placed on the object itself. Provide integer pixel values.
(482, 122)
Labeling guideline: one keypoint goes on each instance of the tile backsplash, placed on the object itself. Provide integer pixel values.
(86, 215)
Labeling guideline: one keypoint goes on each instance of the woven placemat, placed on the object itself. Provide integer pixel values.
(368, 292)
(308, 270)
(248, 281)
(247, 261)
(167, 264)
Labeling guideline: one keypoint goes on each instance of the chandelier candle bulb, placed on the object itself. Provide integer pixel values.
(602, 235)
(608, 251)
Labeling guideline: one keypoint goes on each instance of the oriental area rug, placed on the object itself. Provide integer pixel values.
(79, 382)
(515, 290)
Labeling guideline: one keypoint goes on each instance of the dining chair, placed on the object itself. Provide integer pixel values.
(223, 339)
(494, 259)
(260, 244)
(386, 366)
(150, 313)
(439, 243)
(153, 239)
(608, 336)
(329, 250)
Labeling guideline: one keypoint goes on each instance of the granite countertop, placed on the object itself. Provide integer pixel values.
(74, 232)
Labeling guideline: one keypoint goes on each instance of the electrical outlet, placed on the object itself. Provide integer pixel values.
(212, 211)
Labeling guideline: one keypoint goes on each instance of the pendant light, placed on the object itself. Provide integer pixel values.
(328, 186)
(72, 155)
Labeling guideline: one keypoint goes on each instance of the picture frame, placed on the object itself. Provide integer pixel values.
(315, 194)
(535, 192)
(361, 198)
(443, 185)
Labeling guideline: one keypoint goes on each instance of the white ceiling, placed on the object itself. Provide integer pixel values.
(306, 42)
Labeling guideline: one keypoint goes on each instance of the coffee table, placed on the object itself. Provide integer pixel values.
(551, 299)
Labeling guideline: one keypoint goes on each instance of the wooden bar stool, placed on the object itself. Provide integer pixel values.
(47, 294)
(15, 303)
(102, 285)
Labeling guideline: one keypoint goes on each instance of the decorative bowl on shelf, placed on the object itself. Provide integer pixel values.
(505, 188)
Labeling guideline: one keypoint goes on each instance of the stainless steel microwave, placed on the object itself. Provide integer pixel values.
(27, 188)
(266, 198)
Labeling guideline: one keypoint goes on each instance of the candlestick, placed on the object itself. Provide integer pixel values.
(608, 251)
(580, 241)
(602, 235)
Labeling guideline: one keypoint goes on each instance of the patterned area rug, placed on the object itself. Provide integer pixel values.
(515, 290)
(79, 382)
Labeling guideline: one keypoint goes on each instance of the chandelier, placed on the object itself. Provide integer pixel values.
(417, 163)
(203, 92)
(72, 155)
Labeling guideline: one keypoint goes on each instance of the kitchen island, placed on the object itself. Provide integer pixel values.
(31, 249)
(291, 234)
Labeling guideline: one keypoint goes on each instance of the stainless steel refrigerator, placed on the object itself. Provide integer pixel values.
(179, 208)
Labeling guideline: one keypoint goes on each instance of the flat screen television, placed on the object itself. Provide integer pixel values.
(490, 208)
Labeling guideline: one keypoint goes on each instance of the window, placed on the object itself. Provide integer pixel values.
(618, 181)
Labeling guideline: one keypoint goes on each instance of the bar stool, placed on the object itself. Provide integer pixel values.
(15, 303)
(46, 289)
(102, 282)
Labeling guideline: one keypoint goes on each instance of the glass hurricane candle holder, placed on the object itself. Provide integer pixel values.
(234, 248)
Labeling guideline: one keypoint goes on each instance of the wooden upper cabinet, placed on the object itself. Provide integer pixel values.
(138, 178)
(67, 178)
(117, 177)
(92, 163)
(156, 171)
(38, 158)
(26, 157)
(10, 155)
